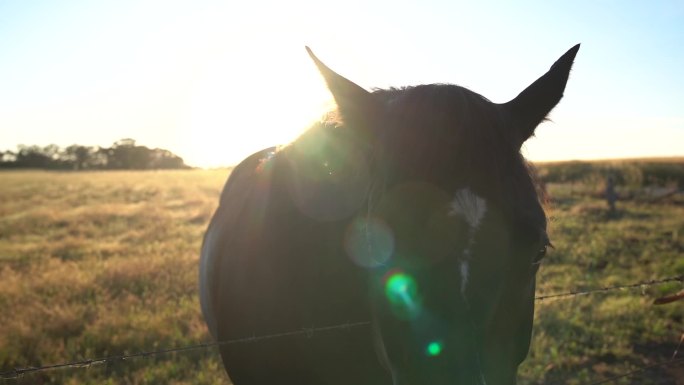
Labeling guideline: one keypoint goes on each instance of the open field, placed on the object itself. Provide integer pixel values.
(97, 264)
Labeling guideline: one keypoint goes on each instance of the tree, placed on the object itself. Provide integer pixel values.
(32, 157)
(123, 154)
(79, 156)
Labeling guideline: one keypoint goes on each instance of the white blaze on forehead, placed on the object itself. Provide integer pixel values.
(464, 276)
(469, 206)
(472, 208)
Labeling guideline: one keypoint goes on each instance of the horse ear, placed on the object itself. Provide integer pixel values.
(355, 105)
(531, 106)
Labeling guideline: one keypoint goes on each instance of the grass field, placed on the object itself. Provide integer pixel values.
(97, 264)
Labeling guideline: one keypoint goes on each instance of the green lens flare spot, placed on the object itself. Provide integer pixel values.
(402, 294)
(400, 288)
(434, 348)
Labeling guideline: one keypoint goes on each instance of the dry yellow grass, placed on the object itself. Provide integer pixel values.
(104, 263)
(95, 264)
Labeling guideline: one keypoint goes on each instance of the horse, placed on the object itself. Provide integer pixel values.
(408, 211)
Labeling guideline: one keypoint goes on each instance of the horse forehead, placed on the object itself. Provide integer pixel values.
(469, 206)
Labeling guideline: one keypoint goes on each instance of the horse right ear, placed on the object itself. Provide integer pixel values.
(533, 104)
(356, 106)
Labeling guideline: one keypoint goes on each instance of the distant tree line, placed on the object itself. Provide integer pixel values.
(624, 173)
(124, 154)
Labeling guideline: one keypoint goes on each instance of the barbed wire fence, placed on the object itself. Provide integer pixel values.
(645, 284)
(310, 332)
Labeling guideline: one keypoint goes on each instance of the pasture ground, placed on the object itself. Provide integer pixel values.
(97, 264)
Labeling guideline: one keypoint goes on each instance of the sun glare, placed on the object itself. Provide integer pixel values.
(240, 105)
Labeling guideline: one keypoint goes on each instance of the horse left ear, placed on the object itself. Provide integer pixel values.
(356, 105)
(533, 104)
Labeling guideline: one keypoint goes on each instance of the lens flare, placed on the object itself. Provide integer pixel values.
(434, 348)
(402, 293)
(369, 242)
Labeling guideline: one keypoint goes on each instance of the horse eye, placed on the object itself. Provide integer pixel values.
(541, 254)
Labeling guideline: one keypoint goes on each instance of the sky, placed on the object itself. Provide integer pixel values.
(214, 81)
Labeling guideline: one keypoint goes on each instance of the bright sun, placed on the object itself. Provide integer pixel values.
(241, 105)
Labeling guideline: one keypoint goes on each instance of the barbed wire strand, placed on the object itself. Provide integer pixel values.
(309, 332)
(679, 278)
(639, 370)
(306, 331)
